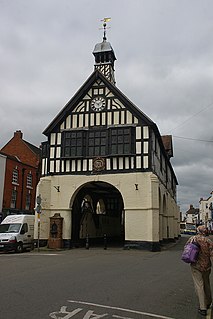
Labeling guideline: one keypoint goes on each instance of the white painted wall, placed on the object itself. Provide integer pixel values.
(141, 206)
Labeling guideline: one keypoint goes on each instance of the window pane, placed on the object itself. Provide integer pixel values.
(72, 152)
(120, 148)
(97, 141)
(67, 151)
(120, 139)
(79, 151)
(103, 150)
(91, 142)
(126, 148)
(90, 151)
(114, 149)
(114, 139)
(126, 138)
(103, 141)
(97, 150)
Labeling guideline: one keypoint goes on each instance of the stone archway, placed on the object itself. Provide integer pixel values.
(97, 212)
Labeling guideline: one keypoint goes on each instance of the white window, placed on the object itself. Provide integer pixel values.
(29, 180)
(13, 199)
(28, 201)
(15, 176)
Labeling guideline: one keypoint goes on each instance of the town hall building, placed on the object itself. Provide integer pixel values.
(106, 170)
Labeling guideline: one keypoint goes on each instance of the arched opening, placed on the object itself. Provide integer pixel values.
(97, 213)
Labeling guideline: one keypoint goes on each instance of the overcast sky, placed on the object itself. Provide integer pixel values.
(164, 51)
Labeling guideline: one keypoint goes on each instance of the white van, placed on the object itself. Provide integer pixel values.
(17, 233)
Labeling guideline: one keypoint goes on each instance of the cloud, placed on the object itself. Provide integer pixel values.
(164, 51)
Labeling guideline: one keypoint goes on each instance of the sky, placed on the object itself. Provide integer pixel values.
(164, 51)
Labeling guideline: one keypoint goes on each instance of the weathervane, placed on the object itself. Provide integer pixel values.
(105, 20)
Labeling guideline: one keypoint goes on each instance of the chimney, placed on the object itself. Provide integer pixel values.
(18, 134)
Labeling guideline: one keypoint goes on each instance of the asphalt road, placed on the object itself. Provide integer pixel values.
(97, 283)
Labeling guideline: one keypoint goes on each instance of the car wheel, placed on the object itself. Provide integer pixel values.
(19, 248)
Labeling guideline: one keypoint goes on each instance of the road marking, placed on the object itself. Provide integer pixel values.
(121, 309)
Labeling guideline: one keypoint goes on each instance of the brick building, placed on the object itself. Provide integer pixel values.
(21, 174)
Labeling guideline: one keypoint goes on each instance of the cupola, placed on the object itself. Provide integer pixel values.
(105, 56)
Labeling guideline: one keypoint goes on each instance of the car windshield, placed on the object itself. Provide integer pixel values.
(10, 228)
(188, 226)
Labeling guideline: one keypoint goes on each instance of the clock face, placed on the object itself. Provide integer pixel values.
(98, 103)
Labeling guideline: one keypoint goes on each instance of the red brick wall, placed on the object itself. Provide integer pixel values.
(17, 147)
(21, 186)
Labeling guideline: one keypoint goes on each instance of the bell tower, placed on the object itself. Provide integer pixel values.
(105, 56)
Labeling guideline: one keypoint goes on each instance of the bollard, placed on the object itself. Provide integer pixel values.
(87, 241)
(105, 241)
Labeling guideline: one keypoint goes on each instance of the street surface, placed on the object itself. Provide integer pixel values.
(97, 283)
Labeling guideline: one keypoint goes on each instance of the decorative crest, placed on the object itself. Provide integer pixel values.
(105, 20)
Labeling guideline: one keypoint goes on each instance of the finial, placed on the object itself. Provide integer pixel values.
(105, 20)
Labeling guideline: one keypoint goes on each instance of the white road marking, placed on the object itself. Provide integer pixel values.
(121, 309)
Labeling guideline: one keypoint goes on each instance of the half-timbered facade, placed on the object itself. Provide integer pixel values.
(105, 167)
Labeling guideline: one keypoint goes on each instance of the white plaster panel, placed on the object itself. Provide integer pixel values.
(103, 118)
(74, 121)
(52, 152)
(138, 162)
(109, 118)
(132, 162)
(86, 120)
(145, 147)
(59, 138)
(62, 166)
(126, 163)
(43, 166)
(79, 165)
(73, 166)
(116, 118)
(138, 147)
(57, 166)
(52, 138)
(122, 117)
(90, 165)
(84, 165)
(108, 165)
(114, 163)
(145, 162)
(138, 132)
(67, 166)
(81, 119)
(135, 120)
(92, 119)
(145, 132)
(129, 117)
(58, 152)
(68, 121)
(98, 118)
(62, 126)
(51, 166)
(120, 163)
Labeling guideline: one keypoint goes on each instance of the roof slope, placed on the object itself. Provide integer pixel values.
(83, 90)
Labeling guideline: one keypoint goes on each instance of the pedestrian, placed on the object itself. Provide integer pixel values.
(201, 269)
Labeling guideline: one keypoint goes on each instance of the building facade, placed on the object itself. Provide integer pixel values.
(22, 165)
(105, 168)
(206, 211)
